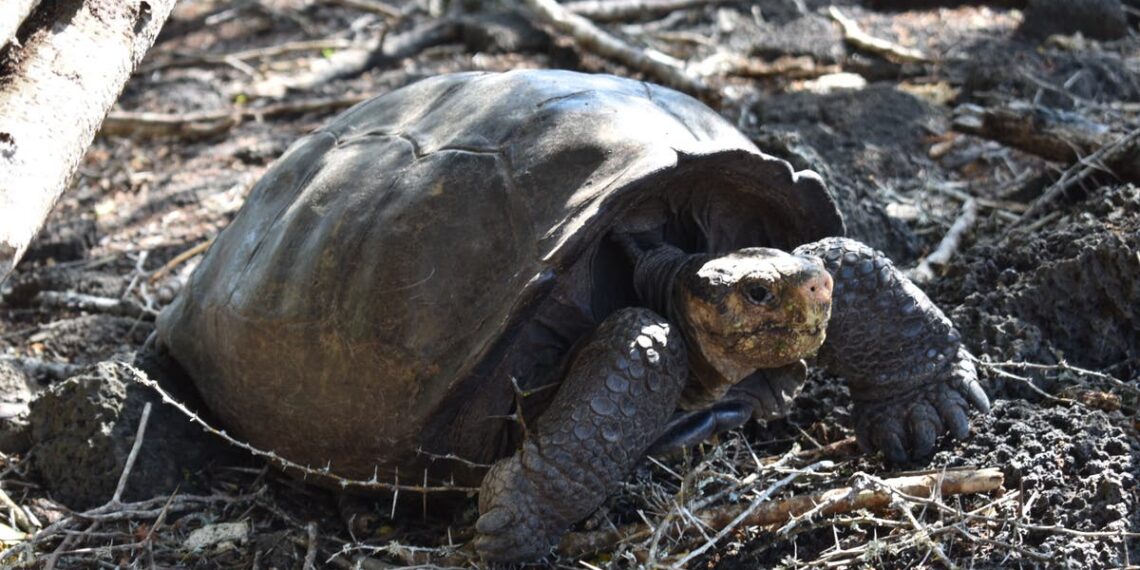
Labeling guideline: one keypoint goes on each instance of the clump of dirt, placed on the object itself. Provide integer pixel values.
(1074, 467)
(1024, 71)
(858, 141)
(84, 429)
(1071, 292)
(1098, 19)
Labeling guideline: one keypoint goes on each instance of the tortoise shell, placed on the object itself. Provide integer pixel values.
(393, 270)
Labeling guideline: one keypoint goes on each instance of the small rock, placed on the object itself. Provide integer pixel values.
(217, 534)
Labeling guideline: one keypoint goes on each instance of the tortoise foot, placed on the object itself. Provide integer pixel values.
(516, 523)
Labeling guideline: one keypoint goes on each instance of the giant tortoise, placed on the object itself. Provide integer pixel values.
(549, 272)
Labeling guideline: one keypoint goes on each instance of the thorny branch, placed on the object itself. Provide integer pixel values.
(325, 473)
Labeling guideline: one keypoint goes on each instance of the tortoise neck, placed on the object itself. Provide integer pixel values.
(655, 278)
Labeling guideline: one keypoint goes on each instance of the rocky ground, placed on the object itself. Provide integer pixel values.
(1044, 285)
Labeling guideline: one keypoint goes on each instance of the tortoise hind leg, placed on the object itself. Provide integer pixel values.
(618, 394)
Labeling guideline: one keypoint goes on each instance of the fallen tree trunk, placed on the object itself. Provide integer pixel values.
(14, 14)
(1051, 134)
(67, 75)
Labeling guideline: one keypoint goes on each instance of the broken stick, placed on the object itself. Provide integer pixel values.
(924, 272)
(1052, 134)
(835, 501)
(201, 124)
(665, 68)
(617, 10)
(862, 40)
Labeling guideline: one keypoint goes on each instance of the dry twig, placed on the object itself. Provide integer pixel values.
(117, 497)
(1007, 210)
(1049, 133)
(193, 59)
(924, 271)
(862, 40)
(616, 10)
(179, 260)
(71, 300)
(209, 123)
(840, 500)
(748, 513)
(590, 37)
(383, 52)
(23, 520)
(791, 67)
(1063, 366)
(310, 546)
(38, 368)
(373, 6)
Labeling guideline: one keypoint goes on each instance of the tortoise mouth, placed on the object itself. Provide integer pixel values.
(765, 346)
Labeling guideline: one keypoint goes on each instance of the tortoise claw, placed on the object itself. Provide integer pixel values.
(888, 439)
(966, 382)
(920, 416)
(924, 429)
(686, 429)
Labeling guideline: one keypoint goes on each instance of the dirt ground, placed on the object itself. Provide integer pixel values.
(1048, 301)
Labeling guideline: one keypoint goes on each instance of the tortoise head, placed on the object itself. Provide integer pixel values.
(754, 308)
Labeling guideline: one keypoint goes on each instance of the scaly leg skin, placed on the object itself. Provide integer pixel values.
(909, 375)
(616, 398)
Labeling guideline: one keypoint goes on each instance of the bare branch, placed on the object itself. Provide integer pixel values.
(617, 10)
(130, 464)
(840, 500)
(208, 123)
(1052, 134)
(862, 40)
(1125, 148)
(664, 68)
(323, 473)
(924, 272)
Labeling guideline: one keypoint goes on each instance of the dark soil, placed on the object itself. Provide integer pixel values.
(1051, 306)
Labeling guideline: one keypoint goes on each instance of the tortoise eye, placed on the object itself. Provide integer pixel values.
(758, 294)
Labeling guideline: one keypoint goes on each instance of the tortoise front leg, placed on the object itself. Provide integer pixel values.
(909, 375)
(615, 400)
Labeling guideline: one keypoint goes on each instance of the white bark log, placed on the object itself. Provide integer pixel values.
(65, 81)
(12, 14)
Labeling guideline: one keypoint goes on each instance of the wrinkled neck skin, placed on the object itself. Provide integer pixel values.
(656, 281)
